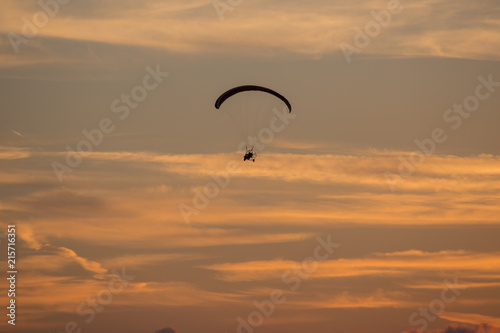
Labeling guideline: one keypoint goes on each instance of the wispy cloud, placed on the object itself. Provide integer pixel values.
(460, 29)
(345, 300)
(387, 264)
(337, 189)
(13, 153)
(454, 328)
(93, 267)
(471, 318)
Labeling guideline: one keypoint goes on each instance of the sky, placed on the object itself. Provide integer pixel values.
(373, 207)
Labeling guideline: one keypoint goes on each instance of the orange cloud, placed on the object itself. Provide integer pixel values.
(472, 318)
(344, 300)
(194, 27)
(396, 264)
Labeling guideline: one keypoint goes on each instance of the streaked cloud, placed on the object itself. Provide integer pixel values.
(467, 30)
(66, 253)
(13, 153)
(337, 188)
(473, 318)
(345, 300)
(454, 328)
(397, 264)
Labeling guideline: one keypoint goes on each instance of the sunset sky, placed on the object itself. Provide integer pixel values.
(375, 208)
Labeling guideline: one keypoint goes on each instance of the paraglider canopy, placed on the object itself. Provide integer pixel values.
(240, 89)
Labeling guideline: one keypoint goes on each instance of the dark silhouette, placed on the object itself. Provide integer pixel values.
(239, 89)
(166, 330)
(250, 155)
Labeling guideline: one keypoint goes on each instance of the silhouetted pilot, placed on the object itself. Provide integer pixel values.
(249, 155)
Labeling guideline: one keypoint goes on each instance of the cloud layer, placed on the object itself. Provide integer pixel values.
(460, 29)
